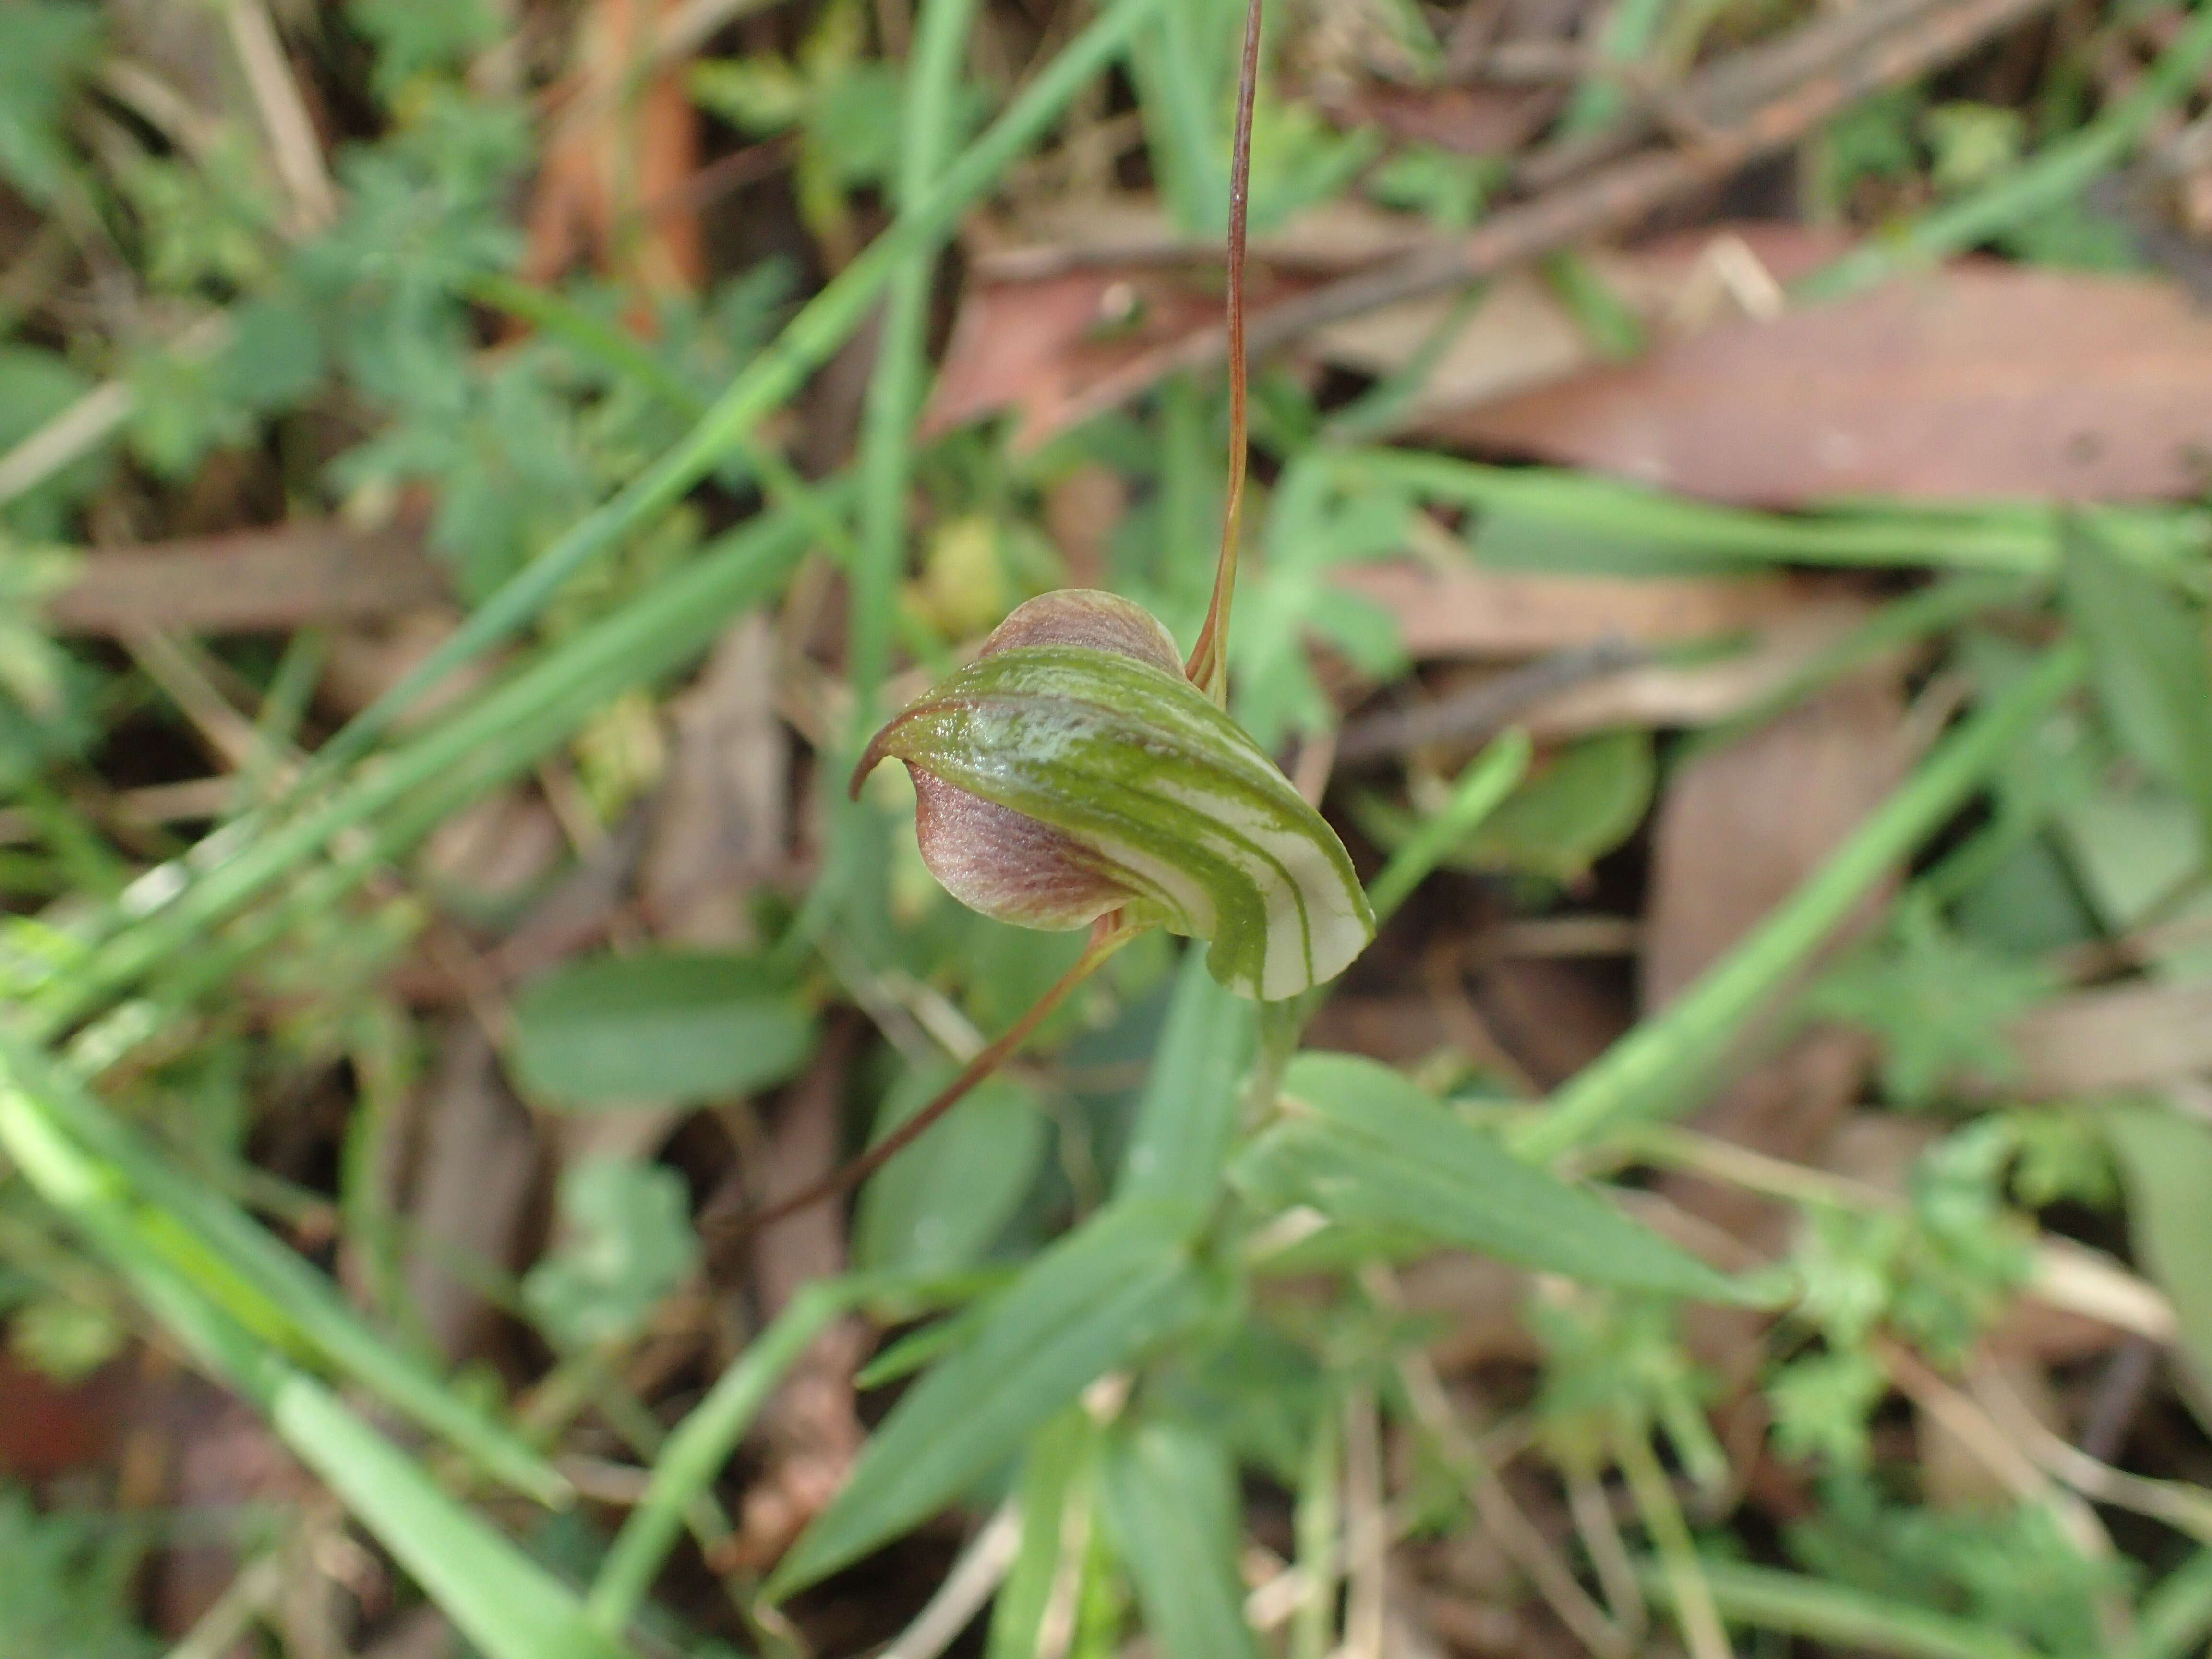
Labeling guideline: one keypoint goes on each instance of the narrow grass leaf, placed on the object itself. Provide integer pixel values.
(1366, 1147)
(1187, 1115)
(2165, 1161)
(662, 1025)
(1650, 1071)
(700, 1444)
(1093, 1301)
(2175, 1616)
(1053, 1495)
(505, 1603)
(1821, 1612)
(1172, 1504)
(234, 1263)
(2149, 661)
(501, 1599)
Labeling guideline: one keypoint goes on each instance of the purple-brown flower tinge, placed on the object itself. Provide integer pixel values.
(1003, 863)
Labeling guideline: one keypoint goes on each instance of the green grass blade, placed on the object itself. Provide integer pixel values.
(2175, 1616)
(235, 1264)
(505, 1603)
(808, 341)
(501, 1599)
(1822, 1611)
(2052, 177)
(1645, 1072)
(1186, 1117)
(895, 390)
(2148, 663)
(700, 1445)
(1366, 1147)
(1093, 1301)
(464, 755)
(1171, 1502)
(1490, 777)
(2165, 1164)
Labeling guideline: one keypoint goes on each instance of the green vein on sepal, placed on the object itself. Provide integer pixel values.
(1165, 788)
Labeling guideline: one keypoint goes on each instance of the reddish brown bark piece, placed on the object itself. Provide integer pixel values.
(1978, 380)
(254, 581)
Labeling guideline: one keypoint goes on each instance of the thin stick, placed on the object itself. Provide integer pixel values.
(1208, 667)
(1108, 934)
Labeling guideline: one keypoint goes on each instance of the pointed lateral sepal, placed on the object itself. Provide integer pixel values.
(1133, 774)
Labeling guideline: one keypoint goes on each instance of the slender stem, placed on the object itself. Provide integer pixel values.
(1108, 934)
(1208, 667)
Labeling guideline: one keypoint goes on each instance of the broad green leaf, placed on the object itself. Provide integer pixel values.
(943, 1202)
(1171, 1503)
(626, 1242)
(497, 1596)
(1163, 794)
(660, 1026)
(1186, 1117)
(1095, 1301)
(2165, 1164)
(2148, 659)
(1365, 1147)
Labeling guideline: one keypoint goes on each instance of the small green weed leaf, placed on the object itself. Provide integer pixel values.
(2166, 1164)
(1314, 523)
(1821, 1406)
(1094, 1301)
(1579, 806)
(69, 1585)
(1161, 795)
(940, 1204)
(497, 1596)
(1171, 1503)
(1939, 1003)
(1367, 1148)
(626, 1242)
(413, 39)
(45, 46)
(2147, 661)
(1186, 1117)
(660, 1026)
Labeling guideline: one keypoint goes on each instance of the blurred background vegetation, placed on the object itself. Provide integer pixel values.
(1730, 555)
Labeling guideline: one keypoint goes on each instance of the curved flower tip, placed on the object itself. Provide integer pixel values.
(1071, 770)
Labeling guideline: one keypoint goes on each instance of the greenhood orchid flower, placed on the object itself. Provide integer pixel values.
(1073, 770)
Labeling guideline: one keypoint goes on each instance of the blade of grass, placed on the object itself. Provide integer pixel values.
(1490, 777)
(1997, 538)
(2175, 1617)
(808, 341)
(702, 1444)
(236, 1264)
(1644, 1073)
(501, 1600)
(465, 754)
(2053, 176)
(1798, 1606)
(895, 389)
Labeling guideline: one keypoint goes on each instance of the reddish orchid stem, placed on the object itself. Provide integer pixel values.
(1108, 934)
(1208, 667)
